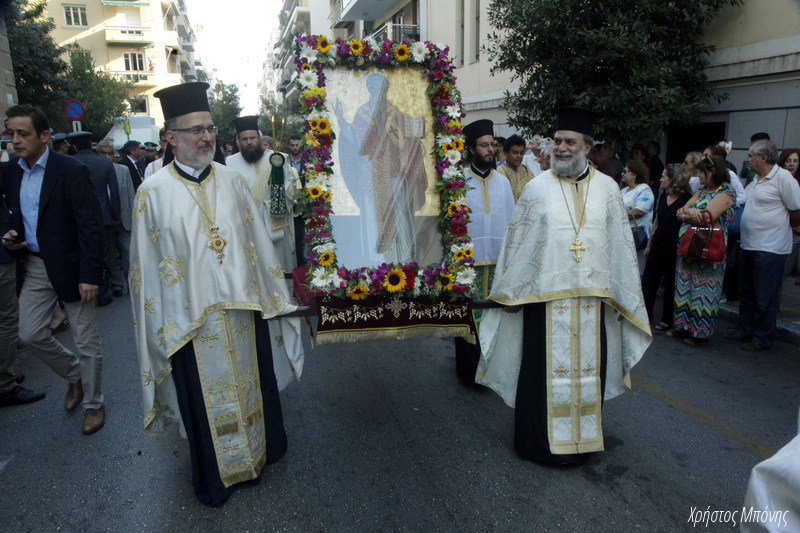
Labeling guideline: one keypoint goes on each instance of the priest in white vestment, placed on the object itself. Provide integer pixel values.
(491, 201)
(204, 278)
(573, 322)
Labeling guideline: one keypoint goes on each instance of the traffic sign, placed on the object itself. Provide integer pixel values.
(74, 110)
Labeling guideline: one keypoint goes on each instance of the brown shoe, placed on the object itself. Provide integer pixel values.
(74, 396)
(93, 420)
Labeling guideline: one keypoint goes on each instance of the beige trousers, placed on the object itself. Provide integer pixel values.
(36, 303)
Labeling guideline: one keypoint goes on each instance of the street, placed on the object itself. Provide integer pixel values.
(382, 437)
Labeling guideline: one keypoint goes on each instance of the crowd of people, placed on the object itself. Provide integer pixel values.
(572, 238)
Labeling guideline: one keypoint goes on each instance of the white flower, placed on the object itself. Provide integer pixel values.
(453, 156)
(440, 46)
(322, 278)
(307, 79)
(441, 139)
(320, 180)
(418, 52)
(327, 247)
(453, 111)
(466, 276)
(331, 60)
(308, 53)
(452, 172)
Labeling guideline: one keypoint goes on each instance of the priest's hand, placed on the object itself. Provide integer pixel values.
(88, 292)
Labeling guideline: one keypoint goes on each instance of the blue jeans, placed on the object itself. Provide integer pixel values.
(760, 281)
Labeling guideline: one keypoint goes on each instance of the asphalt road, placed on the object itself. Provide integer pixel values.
(383, 438)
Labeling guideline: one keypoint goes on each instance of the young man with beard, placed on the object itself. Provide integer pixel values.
(254, 163)
(573, 322)
(298, 162)
(491, 202)
(201, 290)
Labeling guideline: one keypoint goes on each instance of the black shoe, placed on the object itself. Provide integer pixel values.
(19, 378)
(19, 396)
(117, 293)
(104, 302)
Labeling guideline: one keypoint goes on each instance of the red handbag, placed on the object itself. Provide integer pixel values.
(703, 242)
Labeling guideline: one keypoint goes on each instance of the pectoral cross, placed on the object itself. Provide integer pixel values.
(577, 247)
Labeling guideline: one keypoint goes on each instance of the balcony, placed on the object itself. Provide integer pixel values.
(128, 35)
(346, 12)
(397, 32)
(140, 78)
(187, 45)
(170, 38)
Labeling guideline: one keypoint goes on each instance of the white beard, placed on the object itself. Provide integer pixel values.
(571, 167)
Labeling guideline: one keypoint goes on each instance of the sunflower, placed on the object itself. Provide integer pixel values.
(356, 47)
(323, 44)
(402, 52)
(315, 191)
(468, 252)
(327, 258)
(327, 196)
(453, 209)
(359, 292)
(458, 144)
(394, 280)
(314, 123)
(445, 281)
(458, 255)
(324, 125)
(446, 147)
(306, 66)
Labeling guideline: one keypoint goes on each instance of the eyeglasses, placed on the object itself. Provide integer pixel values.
(198, 130)
(485, 145)
(495, 145)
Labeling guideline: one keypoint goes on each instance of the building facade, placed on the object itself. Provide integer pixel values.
(147, 42)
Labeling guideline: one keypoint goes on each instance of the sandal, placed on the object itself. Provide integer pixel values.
(692, 341)
(661, 326)
(677, 333)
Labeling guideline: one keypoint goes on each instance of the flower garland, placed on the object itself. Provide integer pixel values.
(455, 275)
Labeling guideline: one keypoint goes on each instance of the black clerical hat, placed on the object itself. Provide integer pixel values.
(78, 134)
(247, 123)
(575, 119)
(479, 128)
(183, 99)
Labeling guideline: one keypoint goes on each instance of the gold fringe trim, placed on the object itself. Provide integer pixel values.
(328, 337)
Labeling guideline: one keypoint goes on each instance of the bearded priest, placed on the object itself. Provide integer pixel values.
(202, 291)
(573, 320)
(491, 201)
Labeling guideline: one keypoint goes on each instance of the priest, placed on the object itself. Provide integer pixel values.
(491, 201)
(272, 182)
(201, 289)
(573, 320)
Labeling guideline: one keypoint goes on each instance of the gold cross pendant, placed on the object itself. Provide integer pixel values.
(577, 247)
(217, 243)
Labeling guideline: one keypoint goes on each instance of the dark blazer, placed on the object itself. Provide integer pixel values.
(104, 180)
(70, 228)
(135, 176)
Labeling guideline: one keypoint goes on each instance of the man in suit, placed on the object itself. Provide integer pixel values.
(131, 152)
(106, 188)
(55, 233)
(122, 232)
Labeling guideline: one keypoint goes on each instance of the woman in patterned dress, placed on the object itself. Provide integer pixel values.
(698, 283)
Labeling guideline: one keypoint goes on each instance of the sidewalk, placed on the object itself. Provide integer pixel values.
(788, 314)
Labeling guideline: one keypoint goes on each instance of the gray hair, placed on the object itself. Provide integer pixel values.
(766, 148)
(106, 144)
(680, 179)
(588, 140)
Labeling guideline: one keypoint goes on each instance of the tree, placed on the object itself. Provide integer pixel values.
(225, 107)
(638, 63)
(289, 110)
(39, 70)
(103, 96)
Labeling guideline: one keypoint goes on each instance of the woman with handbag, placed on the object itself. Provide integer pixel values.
(638, 199)
(700, 267)
(662, 248)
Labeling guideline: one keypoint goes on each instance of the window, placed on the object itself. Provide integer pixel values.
(75, 16)
(461, 35)
(477, 44)
(133, 61)
(138, 104)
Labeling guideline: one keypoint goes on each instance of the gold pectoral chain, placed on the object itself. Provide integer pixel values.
(577, 246)
(217, 243)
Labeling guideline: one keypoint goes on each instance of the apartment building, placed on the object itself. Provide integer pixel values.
(148, 42)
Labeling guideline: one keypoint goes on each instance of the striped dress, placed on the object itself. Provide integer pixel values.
(698, 284)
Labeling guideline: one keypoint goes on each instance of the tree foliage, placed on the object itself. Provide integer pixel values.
(289, 110)
(638, 63)
(225, 106)
(103, 96)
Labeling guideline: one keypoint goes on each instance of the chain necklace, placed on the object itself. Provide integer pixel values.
(577, 246)
(216, 243)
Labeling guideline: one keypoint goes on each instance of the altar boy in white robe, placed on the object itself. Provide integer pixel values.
(201, 291)
(573, 322)
(491, 201)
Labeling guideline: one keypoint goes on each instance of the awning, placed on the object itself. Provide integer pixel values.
(143, 3)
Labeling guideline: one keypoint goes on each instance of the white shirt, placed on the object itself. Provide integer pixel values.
(765, 221)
